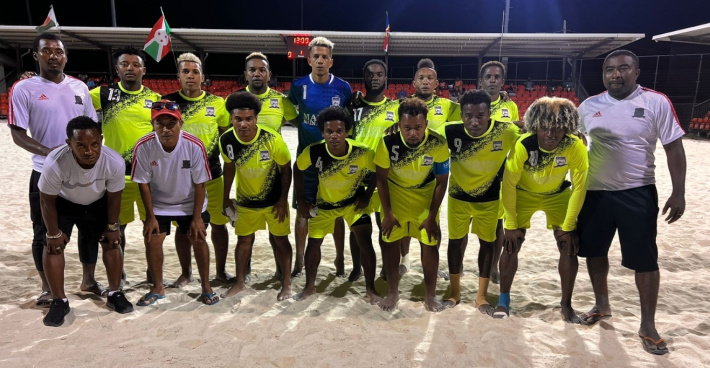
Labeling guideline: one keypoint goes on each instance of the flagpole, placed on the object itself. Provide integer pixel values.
(59, 26)
(172, 49)
(387, 64)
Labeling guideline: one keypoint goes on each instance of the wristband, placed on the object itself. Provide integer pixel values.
(54, 236)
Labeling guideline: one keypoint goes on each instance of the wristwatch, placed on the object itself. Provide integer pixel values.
(114, 227)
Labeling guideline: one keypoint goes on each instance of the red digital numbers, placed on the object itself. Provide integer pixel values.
(301, 40)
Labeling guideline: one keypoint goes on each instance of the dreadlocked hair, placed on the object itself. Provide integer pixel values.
(552, 112)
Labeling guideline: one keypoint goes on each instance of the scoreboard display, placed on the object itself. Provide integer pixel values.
(297, 46)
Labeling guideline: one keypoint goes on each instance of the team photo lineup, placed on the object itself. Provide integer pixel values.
(202, 166)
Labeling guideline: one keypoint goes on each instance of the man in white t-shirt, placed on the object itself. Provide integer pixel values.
(623, 125)
(171, 169)
(43, 105)
(81, 185)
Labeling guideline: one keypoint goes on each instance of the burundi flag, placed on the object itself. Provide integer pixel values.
(158, 43)
(387, 35)
(50, 22)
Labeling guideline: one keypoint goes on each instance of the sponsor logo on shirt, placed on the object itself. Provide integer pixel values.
(504, 113)
(497, 146)
(598, 114)
(437, 110)
(148, 104)
(78, 100)
(560, 161)
(638, 113)
(428, 161)
(335, 101)
(186, 164)
(390, 116)
(274, 103)
(264, 155)
(209, 111)
(43, 97)
(353, 169)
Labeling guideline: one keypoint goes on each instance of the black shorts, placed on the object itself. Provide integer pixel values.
(634, 212)
(183, 222)
(90, 221)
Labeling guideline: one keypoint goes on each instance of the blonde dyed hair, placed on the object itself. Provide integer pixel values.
(190, 58)
(552, 112)
(321, 41)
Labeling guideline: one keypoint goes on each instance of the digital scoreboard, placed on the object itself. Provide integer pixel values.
(297, 46)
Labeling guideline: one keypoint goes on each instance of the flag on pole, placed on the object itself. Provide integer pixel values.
(158, 43)
(50, 22)
(387, 34)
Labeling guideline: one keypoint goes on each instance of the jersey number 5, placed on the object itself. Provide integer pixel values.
(395, 153)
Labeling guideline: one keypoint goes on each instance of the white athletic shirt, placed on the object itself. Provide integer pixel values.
(62, 175)
(171, 174)
(623, 136)
(44, 108)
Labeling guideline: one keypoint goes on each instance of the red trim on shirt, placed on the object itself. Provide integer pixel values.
(141, 141)
(670, 103)
(10, 113)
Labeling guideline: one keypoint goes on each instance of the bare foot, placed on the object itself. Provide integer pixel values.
(355, 274)
(449, 303)
(236, 288)
(226, 278)
(297, 269)
(569, 315)
(402, 270)
(486, 309)
(285, 293)
(433, 305)
(339, 267)
(182, 281)
(443, 275)
(304, 294)
(389, 303)
(374, 297)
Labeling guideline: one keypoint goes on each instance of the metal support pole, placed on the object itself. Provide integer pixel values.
(655, 75)
(111, 67)
(697, 85)
(113, 13)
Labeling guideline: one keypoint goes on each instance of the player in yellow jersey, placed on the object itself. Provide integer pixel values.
(535, 180)
(205, 117)
(441, 109)
(491, 79)
(342, 165)
(478, 147)
(125, 108)
(258, 158)
(412, 174)
(276, 109)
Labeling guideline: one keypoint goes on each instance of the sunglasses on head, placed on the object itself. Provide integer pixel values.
(173, 106)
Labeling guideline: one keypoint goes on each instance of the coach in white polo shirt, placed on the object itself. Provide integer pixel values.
(43, 105)
(81, 185)
(171, 169)
(624, 124)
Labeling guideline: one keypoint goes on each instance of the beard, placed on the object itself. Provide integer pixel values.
(376, 92)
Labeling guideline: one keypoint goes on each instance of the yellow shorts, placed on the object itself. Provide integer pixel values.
(251, 220)
(129, 196)
(324, 223)
(215, 200)
(411, 207)
(554, 206)
(484, 214)
(375, 204)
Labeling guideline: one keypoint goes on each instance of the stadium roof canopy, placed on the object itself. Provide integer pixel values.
(532, 45)
(698, 35)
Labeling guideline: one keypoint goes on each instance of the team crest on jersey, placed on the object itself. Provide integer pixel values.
(209, 111)
(560, 161)
(390, 116)
(505, 113)
(353, 169)
(428, 161)
(335, 101)
(274, 103)
(186, 164)
(638, 113)
(438, 111)
(264, 155)
(78, 100)
(148, 104)
(497, 146)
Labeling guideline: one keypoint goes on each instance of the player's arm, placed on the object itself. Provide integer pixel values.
(113, 237)
(197, 226)
(303, 162)
(281, 206)
(514, 236)
(150, 226)
(48, 204)
(229, 170)
(29, 144)
(383, 188)
(675, 156)
(430, 224)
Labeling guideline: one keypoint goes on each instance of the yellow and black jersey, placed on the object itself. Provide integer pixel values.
(505, 111)
(413, 167)
(275, 108)
(442, 110)
(340, 179)
(125, 117)
(203, 117)
(258, 172)
(372, 119)
(475, 161)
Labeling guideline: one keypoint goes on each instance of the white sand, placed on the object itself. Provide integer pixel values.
(337, 328)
